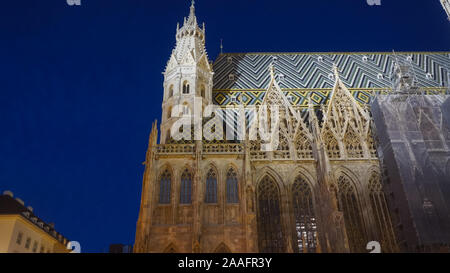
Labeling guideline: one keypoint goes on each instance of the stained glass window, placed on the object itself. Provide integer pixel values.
(186, 187)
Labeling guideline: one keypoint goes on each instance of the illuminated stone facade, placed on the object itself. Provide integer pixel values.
(318, 190)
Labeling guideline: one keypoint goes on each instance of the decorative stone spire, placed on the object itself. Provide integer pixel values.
(192, 19)
(336, 72)
(187, 77)
(272, 71)
(190, 36)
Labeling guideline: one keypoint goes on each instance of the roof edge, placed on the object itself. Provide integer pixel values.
(335, 52)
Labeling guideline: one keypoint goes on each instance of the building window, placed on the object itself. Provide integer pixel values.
(35, 246)
(185, 87)
(232, 187)
(270, 232)
(19, 238)
(354, 223)
(170, 91)
(211, 187)
(164, 187)
(28, 243)
(305, 219)
(381, 213)
(186, 187)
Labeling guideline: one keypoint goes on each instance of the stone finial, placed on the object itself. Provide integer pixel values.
(335, 71)
(272, 71)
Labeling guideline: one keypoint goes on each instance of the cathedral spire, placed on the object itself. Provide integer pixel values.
(272, 72)
(336, 72)
(192, 19)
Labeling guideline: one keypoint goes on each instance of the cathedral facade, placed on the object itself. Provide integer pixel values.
(270, 152)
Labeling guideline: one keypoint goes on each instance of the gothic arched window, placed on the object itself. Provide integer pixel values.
(381, 213)
(305, 219)
(232, 187)
(186, 187)
(211, 187)
(164, 187)
(354, 223)
(270, 233)
(170, 91)
(185, 87)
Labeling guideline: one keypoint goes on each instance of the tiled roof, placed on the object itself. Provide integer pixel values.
(314, 70)
(10, 206)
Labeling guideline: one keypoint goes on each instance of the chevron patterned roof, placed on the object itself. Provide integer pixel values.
(313, 70)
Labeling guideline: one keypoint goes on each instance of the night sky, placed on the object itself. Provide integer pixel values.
(80, 87)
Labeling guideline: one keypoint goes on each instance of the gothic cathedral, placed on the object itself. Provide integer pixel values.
(216, 182)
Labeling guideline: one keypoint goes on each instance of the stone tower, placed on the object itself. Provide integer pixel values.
(187, 77)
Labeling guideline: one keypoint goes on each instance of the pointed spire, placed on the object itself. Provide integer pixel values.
(272, 71)
(313, 121)
(336, 72)
(192, 19)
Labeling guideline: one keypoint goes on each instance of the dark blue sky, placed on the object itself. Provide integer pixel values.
(80, 87)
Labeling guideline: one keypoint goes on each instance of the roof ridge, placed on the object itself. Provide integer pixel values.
(333, 52)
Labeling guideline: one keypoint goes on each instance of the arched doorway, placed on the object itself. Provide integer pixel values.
(270, 232)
